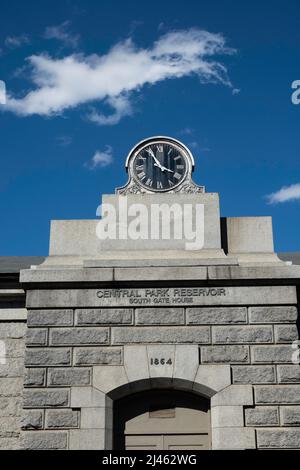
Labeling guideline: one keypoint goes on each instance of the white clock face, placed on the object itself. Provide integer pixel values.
(160, 166)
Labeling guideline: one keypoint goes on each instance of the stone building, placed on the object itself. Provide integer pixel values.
(144, 344)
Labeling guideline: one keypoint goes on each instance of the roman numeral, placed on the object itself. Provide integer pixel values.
(142, 175)
(177, 176)
(149, 182)
(160, 148)
(177, 158)
(140, 167)
(171, 183)
(159, 185)
(180, 167)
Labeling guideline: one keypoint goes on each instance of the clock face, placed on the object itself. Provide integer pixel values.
(160, 166)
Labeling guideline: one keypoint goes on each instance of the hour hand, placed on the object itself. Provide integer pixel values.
(167, 169)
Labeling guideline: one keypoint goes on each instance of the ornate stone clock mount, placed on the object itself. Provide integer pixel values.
(160, 164)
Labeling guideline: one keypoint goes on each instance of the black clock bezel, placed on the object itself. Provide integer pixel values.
(185, 153)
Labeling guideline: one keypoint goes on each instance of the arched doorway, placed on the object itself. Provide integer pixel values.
(162, 419)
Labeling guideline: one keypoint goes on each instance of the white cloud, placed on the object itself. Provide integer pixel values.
(101, 158)
(285, 194)
(61, 84)
(13, 42)
(121, 106)
(61, 33)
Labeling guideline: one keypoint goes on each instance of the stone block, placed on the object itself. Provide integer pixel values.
(10, 426)
(45, 440)
(260, 271)
(249, 235)
(72, 376)
(233, 395)
(233, 438)
(136, 363)
(74, 336)
(62, 273)
(87, 397)
(62, 418)
(40, 398)
(11, 386)
(13, 367)
(32, 419)
(179, 296)
(211, 379)
(224, 354)
(87, 439)
(253, 374)
(13, 314)
(277, 394)
(34, 377)
(288, 374)
(165, 222)
(262, 416)
(94, 418)
(103, 316)
(10, 443)
(186, 362)
(11, 406)
(272, 354)
(242, 334)
(159, 316)
(285, 333)
(282, 438)
(160, 335)
(36, 337)
(12, 330)
(48, 357)
(14, 348)
(215, 315)
(159, 272)
(290, 415)
(108, 378)
(161, 360)
(272, 314)
(105, 355)
(227, 416)
(50, 317)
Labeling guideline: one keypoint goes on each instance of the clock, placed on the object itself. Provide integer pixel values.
(159, 164)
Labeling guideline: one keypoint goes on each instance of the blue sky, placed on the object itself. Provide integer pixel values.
(60, 152)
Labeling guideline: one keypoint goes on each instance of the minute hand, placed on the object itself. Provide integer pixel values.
(157, 163)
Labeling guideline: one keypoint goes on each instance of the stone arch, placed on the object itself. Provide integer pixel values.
(180, 370)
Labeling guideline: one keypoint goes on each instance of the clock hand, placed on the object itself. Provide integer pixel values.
(157, 163)
(167, 169)
(164, 168)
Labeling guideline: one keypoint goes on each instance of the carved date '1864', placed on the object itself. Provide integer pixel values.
(154, 361)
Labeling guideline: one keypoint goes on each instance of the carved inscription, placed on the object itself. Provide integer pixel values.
(161, 296)
(155, 361)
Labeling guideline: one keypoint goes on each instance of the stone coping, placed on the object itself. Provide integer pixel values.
(62, 274)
